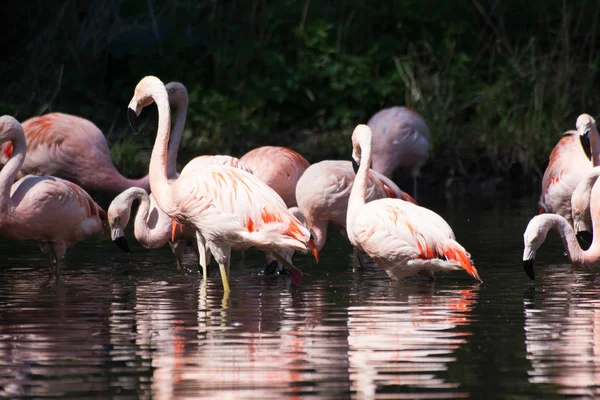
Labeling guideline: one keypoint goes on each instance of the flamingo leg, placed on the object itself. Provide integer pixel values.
(224, 276)
(203, 254)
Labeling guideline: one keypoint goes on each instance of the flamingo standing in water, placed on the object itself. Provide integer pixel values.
(153, 228)
(323, 191)
(278, 167)
(401, 237)
(72, 148)
(228, 207)
(400, 139)
(538, 227)
(54, 212)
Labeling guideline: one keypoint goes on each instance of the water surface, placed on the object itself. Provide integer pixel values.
(129, 326)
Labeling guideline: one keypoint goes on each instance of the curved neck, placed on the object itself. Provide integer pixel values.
(567, 234)
(159, 183)
(181, 106)
(141, 217)
(359, 187)
(10, 170)
(319, 232)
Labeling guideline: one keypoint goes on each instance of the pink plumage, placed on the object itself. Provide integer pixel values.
(323, 190)
(229, 207)
(401, 237)
(55, 212)
(72, 148)
(278, 167)
(400, 139)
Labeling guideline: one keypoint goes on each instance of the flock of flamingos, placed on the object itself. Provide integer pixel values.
(271, 198)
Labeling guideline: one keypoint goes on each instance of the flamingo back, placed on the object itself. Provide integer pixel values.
(278, 167)
(567, 166)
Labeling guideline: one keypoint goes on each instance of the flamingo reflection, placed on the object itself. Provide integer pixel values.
(405, 337)
(562, 331)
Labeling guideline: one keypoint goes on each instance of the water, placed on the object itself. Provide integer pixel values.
(129, 326)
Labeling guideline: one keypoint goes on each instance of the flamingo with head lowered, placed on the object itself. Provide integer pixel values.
(401, 237)
(54, 212)
(228, 207)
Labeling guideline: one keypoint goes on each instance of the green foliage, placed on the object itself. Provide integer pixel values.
(494, 80)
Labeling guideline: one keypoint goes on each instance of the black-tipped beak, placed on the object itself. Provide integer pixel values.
(528, 266)
(121, 243)
(585, 239)
(132, 117)
(355, 166)
(585, 143)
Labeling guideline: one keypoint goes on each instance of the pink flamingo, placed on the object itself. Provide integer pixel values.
(55, 212)
(401, 237)
(228, 207)
(152, 227)
(278, 167)
(571, 161)
(538, 227)
(400, 139)
(323, 191)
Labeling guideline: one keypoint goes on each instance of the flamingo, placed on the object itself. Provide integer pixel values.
(323, 191)
(401, 237)
(54, 212)
(278, 167)
(153, 228)
(400, 139)
(538, 227)
(580, 205)
(228, 207)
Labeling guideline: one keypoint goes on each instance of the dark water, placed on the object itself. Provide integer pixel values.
(128, 326)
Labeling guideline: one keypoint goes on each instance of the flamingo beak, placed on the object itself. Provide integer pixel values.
(313, 249)
(528, 265)
(175, 229)
(121, 243)
(355, 166)
(133, 118)
(585, 144)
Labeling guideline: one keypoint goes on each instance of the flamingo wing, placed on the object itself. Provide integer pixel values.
(238, 200)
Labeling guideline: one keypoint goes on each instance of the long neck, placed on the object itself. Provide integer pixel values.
(159, 183)
(10, 170)
(176, 133)
(319, 231)
(117, 183)
(140, 223)
(567, 234)
(359, 188)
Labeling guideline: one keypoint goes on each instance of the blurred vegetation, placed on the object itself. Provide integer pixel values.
(496, 81)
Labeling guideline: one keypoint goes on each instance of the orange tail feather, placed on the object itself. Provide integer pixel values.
(461, 257)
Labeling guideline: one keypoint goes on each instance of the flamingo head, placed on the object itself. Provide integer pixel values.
(118, 218)
(146, 92)
(362, 138)
(534, 236)
(178, 95)
(585, 125)
(9, 127)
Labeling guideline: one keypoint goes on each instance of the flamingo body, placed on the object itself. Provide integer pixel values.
(278, 167)
(567, 166)
(400, 139)
(72, 148)
(403, 238)
(55, 212)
